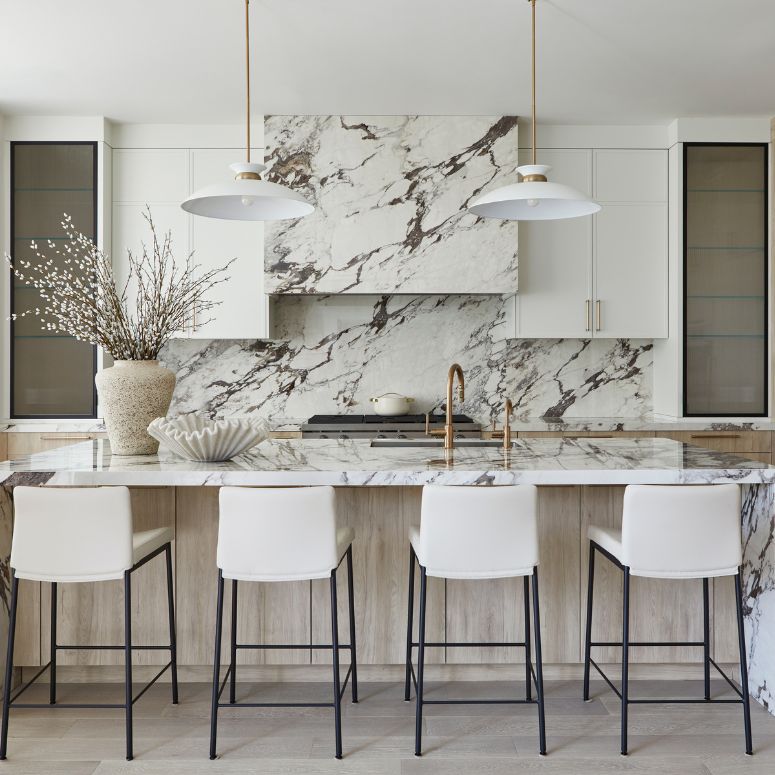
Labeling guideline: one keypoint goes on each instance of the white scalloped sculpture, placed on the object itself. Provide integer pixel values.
(194, 437)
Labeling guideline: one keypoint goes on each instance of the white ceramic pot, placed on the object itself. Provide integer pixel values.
(132, 393)
(391, 404)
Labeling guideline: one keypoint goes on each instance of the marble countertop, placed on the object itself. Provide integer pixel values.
(352, 463)
(556, 424)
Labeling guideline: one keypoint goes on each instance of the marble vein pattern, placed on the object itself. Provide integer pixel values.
(758, 522)
(300, 462)
(332, 354)
(390, 196)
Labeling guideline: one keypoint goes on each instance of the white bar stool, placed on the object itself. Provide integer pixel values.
(80, 534)
(281, 534)
(672, 532)
(476, 533)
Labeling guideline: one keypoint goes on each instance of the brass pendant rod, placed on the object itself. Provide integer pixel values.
(247, 72)
(533, 73)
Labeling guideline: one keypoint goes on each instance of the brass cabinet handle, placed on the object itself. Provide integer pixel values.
(586, 316)
(598, 316)
(714, 436)
(64, 436)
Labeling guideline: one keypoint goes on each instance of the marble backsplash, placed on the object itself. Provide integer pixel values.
(330, 354)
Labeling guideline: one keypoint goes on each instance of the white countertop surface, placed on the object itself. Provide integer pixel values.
(352, 463)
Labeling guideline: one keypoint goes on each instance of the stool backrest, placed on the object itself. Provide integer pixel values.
(71, 533)
(682, 531)
(479, 532)
(277, 533)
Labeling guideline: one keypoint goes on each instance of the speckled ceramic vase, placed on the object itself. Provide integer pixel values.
(132, 393)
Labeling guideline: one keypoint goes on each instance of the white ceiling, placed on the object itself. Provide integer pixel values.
(599, 61)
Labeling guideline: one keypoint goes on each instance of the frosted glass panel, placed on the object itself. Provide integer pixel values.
(53, 375)
(725, 235)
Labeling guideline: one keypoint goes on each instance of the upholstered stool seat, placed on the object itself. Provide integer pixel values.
(147, 542)
(473, 533)
(672, 532)
(78, 535)
(607, 538)
(277, 534)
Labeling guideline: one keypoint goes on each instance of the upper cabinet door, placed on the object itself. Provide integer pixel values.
(241, 309)
(162, 179)
(555, 260)
(391, 196)
(631, 262)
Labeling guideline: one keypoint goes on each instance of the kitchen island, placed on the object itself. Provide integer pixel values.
(581, 482)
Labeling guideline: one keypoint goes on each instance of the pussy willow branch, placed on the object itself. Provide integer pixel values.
(80, 295)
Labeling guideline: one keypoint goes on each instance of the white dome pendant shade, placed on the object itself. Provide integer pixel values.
(247, 197)
(534, 198)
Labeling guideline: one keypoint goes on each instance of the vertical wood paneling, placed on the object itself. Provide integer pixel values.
(492, 610)
(266, 613)
(660, 609)
(94, 613)
(381, 518)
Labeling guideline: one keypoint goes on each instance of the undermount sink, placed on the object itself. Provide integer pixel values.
(434, 443)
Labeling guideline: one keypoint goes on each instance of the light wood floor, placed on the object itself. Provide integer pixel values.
(583, 738)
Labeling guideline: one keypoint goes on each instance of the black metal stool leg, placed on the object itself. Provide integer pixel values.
(743, 663)
(706, 636)
(588, 632)
(625, 655)
(539, 667)
(233, 654)
(409, 627)
(9, 666)
(528, 655)
(171, 616)
(420, 664)
(335, 656)
(52, 688)
(216, 666)
(351, 603)
(128, 661)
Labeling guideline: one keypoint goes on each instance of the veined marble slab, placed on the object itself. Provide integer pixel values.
(298, 462)
(390, 195)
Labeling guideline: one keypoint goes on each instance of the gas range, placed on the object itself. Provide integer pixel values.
(374, 426)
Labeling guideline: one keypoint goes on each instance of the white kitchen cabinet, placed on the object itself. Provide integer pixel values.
(555, 267)
(162, 179)
(242, 311)
(604, 276)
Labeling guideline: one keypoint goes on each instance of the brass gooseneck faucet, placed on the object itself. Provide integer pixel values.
(505, 434)
(449, 428)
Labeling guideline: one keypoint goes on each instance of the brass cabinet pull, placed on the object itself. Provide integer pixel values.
(714, 436)
(586, 316)
(598, 316)
(64, 436)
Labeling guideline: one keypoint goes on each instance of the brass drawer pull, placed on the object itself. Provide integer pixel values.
(714, 436)
(588, 325)
(598, 315)
(64, 437)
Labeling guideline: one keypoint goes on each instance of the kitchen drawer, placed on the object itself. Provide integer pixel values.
(3, 446)
(725, 441)
(586, 434)
(20, 444)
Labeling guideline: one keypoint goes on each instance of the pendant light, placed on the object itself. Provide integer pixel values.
(534, 199)
(247, 197)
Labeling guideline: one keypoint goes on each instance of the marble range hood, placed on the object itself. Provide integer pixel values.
(390, 194)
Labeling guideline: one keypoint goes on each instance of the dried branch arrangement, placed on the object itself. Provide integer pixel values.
(81, 296)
